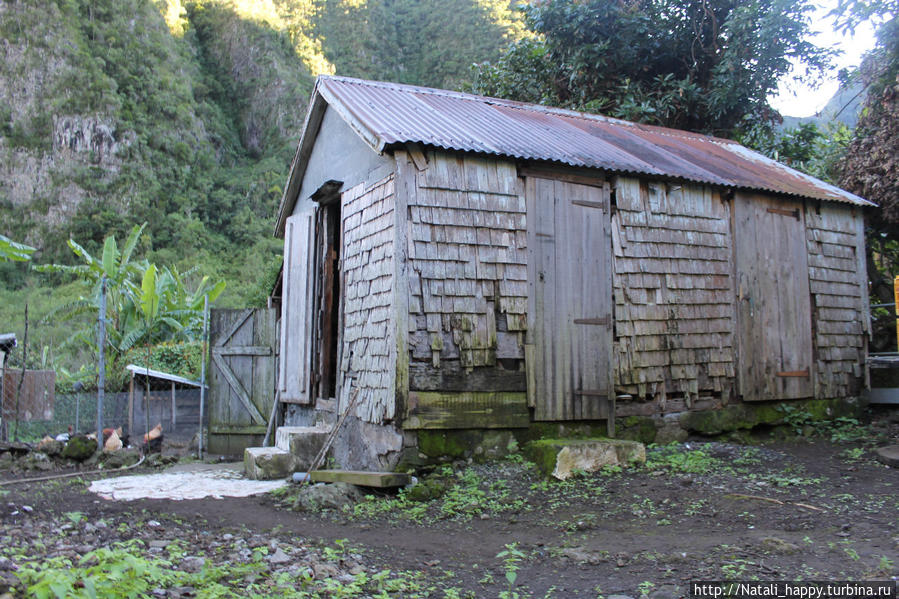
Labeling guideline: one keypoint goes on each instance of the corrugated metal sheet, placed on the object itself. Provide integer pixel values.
(388, 113)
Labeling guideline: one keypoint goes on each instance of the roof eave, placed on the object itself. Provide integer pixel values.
(321, 99)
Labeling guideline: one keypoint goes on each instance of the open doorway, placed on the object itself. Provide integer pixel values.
(327, 300)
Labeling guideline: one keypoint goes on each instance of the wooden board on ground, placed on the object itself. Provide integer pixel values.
(363, 479)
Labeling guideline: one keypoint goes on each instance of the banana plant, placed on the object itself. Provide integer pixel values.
(11, 251)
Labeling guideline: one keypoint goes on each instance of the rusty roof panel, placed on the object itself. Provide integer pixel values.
(389, 113)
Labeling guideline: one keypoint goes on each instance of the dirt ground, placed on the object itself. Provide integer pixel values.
(804, 509)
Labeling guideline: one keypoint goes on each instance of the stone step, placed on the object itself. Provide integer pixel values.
(361, 479)
(563, 457)
(889, 455)
(304, 442)
(268, 463)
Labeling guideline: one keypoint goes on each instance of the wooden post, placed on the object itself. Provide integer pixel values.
(174, 409)
(131, 405)
(896, 299)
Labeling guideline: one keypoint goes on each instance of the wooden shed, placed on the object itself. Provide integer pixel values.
(472, 263)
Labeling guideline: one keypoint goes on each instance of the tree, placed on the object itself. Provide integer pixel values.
(701, 65)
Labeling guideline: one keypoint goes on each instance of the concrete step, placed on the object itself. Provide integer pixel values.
(361, 479)
(268, 463)
(304, 442)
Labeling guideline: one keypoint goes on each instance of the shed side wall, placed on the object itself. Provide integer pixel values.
(837, 278)
(674, 312)
(368, 271)
(467, 253)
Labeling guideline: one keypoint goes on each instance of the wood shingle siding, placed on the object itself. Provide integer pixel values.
(674, 314)
(467, 285)
(368, 272)
(835, 242)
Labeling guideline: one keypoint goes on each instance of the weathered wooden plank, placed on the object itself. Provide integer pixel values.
(379, 480)
(434, 410)
(238, 388)
(852, 290)
(451, 375)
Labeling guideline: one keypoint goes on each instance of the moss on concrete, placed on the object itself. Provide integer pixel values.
(745, 416)
(444, 444)
(636, 428)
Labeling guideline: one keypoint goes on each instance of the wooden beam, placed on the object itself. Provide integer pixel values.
(238, 389)
(380, 480)
(174, 407)
(418, 156)
(244, 350)
(434, 410)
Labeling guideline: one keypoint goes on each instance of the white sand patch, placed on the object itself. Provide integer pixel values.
(191, 481)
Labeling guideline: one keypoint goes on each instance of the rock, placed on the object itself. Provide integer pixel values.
(36, 460)
(15, 448)
(775, 545)
(562, 457)
(670, 430)
(268, 463)
(432, 487)
(6, 461)
(327, 497)
(79, 448)
(50, 446)
(159, 544)
(323, 571)
(192, 565)
(619, 597)
(121, 458)
(888, 455)
(667, 591)
(279, 557)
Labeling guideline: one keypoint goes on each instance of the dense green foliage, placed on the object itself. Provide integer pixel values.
(184, 114)
(699, 65)
(422, 42)
(145, 304)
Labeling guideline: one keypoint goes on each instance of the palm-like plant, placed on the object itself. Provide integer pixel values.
(144, 304)
(11, 251)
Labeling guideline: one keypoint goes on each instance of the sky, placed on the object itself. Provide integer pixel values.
(796, 100)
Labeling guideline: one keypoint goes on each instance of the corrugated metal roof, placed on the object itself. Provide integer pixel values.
(386, 114)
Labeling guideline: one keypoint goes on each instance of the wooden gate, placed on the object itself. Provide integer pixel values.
(773, 300)
(242, 377)
(570, 275)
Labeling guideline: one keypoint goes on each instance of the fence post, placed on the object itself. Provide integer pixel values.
(203, 375)
(101, 375)
(22, 375)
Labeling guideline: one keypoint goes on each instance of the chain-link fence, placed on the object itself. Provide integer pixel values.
(75, 412)
(30, 409)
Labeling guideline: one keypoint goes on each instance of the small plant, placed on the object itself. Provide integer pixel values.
(646, 587)
(512, 558)
(75, 517)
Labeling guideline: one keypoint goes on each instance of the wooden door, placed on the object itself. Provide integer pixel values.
(773, 299)
(295, 368)
(242, 376)
(570, 279)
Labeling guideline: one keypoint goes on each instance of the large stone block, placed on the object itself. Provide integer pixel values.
(268, 463)
(563, 457)
(304, 442)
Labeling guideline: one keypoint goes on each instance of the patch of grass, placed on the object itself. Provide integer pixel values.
(681, 458)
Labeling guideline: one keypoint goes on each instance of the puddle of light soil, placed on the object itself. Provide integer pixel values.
(191, 481)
